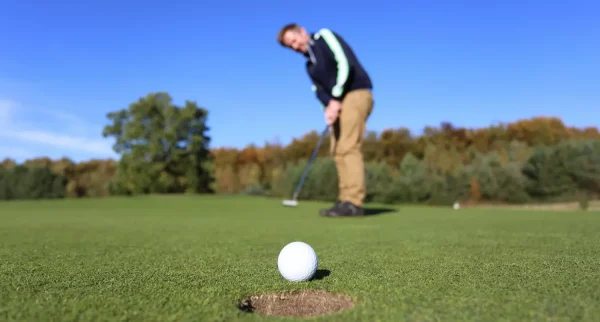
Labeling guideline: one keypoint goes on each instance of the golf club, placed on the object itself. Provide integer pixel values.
(293, 202)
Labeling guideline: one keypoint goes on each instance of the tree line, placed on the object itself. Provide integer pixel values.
(165, 148)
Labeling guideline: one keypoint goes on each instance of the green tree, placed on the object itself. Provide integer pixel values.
(583, 164)
(163, 147)
(411, 185)
(379, 178)
(548, 175)
(4, 184)
(33, 182)
(512, 184)
(321, 182)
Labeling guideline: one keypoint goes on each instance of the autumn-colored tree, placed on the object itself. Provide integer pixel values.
(539, 130)
(7, 164)
(225, 170)
(475, 190)
(164, 148)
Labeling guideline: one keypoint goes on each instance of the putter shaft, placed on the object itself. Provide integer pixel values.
(310, 161)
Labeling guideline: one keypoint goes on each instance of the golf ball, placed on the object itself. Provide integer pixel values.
(297, 262)
(456, 206)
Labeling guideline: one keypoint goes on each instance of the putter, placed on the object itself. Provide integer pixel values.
(293, 202)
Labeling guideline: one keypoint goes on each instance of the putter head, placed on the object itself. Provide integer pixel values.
(290, 203)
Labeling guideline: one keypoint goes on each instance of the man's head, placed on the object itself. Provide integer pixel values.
(295, 37)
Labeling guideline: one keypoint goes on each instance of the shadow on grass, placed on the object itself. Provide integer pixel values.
(377, 211)
(321, 274)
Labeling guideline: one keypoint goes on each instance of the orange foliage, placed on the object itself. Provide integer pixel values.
(234, 168)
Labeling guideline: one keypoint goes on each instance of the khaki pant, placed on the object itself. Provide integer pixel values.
(346, 145)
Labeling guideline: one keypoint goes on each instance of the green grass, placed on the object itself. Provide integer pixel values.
(192, 258)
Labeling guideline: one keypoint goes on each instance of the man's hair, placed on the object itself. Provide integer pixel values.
(286, 28)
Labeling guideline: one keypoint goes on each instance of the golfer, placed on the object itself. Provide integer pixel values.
(344, 88)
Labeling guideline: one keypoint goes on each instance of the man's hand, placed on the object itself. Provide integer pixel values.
(332, 111)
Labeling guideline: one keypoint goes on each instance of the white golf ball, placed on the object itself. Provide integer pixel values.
(297, 262)
(456, 206)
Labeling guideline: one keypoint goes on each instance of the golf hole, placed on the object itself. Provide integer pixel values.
(305, 303)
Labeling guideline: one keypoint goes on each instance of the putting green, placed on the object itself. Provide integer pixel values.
(192, 258)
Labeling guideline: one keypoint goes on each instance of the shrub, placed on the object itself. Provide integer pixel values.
(37, 182)
(563, 170)
(379, 179)
(320, 184)
(254, 190)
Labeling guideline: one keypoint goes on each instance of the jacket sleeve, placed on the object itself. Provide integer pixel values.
(322, 95)
(335, 49)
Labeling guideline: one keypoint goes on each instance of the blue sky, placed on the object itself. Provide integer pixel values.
(65, 64)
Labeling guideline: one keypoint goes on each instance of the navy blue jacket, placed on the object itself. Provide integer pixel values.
(333, 67)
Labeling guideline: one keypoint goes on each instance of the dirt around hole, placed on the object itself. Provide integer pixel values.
(306, 303)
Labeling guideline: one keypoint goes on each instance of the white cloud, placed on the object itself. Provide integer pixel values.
(59, 140)
(73, 123)
(64, 134)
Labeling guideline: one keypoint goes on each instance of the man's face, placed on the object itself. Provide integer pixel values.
(297, 40)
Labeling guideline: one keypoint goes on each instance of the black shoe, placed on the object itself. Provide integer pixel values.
(325, 212)
(346, 209)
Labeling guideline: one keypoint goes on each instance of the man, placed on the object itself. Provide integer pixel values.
(344, 88)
